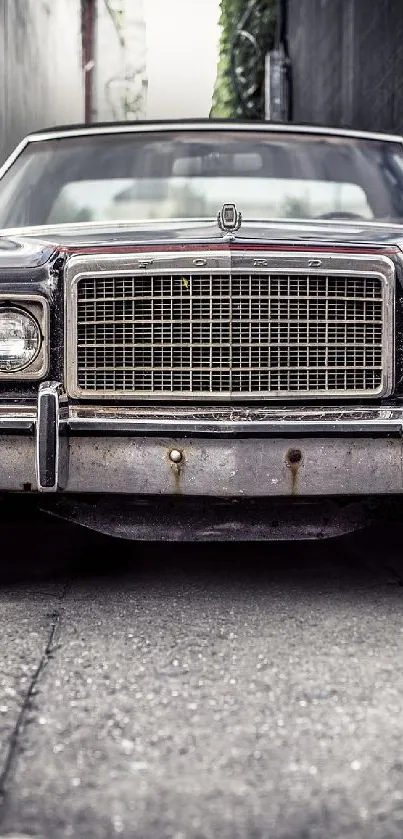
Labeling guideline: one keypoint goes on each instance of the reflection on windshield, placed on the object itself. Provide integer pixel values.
(153, 199)
(187, 174)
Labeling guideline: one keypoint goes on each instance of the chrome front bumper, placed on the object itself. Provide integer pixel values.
(223, 452)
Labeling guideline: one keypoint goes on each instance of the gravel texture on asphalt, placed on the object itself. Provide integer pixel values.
(206, 693)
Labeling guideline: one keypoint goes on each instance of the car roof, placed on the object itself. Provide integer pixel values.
(59, 132)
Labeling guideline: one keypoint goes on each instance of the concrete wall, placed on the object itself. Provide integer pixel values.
(41, 79)
(119, 75)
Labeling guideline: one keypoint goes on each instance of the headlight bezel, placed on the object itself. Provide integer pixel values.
(36, 307)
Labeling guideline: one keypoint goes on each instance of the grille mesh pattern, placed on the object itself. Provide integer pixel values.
(229, 334)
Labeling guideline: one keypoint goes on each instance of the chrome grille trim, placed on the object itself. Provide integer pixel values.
(203, 319)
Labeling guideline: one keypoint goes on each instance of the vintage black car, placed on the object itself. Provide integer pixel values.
(201, 331)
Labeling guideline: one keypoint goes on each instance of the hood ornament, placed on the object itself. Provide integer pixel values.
(229, 218)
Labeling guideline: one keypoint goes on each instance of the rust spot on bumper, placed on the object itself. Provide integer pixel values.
(293, 460)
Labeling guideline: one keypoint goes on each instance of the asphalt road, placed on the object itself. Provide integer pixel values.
(203, 692)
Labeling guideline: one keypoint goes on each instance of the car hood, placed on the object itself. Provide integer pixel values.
(31, 247)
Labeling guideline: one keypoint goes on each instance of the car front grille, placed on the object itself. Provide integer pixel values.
(230, 334)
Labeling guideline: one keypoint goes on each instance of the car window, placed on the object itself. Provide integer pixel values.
(184, 174)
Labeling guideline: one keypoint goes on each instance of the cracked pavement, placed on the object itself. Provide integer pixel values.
(197, 692)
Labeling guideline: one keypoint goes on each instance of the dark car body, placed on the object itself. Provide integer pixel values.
(193, 380)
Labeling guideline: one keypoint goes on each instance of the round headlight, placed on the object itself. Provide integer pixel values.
(20, 339)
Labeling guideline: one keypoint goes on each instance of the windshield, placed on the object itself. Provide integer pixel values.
(140, 176)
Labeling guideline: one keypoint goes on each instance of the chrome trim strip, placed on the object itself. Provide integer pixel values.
(215, 421)
(78, 418)
(201, 428)
(295, 225)
(211, 126)
(13, 156)
(11, 424)
(281, 262)
(95, 227)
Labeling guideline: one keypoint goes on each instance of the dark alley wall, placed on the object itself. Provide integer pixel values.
(347, 62)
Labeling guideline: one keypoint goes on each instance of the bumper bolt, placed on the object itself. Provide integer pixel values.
(175, 455)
